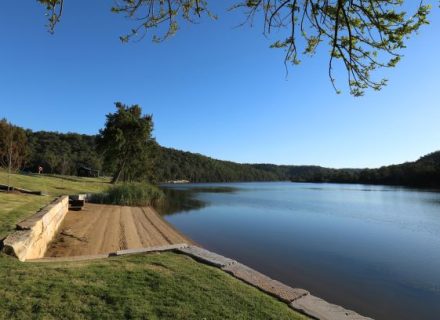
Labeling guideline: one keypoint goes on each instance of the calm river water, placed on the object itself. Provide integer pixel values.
(373, 249)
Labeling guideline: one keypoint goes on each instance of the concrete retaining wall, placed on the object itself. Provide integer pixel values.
(298, 299)
(34, 234)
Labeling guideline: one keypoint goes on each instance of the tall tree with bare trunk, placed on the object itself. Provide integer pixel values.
(13, 147)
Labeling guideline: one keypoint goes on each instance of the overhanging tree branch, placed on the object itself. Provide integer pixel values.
(364, 35)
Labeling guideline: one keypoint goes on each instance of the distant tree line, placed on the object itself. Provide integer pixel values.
(424, 172)
(60, 153)
(64, 153)
(174, 164)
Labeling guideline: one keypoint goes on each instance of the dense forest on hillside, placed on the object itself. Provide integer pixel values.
(424, 172)
(65, 153)
(174, 164)
(61, 153)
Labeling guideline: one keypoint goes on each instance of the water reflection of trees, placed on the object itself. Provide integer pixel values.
(178, 200)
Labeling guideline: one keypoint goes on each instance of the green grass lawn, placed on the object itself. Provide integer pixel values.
(55, 184)
(15, 207)
(154, 286)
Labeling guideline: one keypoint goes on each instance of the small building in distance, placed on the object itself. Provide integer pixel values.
(177, 181)
(84, 171)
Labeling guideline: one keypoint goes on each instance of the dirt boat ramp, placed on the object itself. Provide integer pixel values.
(101, 229)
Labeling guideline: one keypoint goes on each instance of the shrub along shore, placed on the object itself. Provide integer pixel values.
(130, 194)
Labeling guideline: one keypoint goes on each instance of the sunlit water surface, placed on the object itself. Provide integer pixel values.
(373, 249)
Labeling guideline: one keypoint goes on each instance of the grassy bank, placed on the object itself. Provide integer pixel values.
(55, 184)
(14, 207)
(155, 286)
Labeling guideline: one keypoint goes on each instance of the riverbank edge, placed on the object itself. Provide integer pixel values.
(297, 299)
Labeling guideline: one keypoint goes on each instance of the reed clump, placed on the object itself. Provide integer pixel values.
(130, 194)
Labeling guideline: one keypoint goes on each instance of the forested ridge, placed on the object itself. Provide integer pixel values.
(64, 153)
(425, 172)
(174, 164)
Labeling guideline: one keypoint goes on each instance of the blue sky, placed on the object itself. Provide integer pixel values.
(214, 89)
